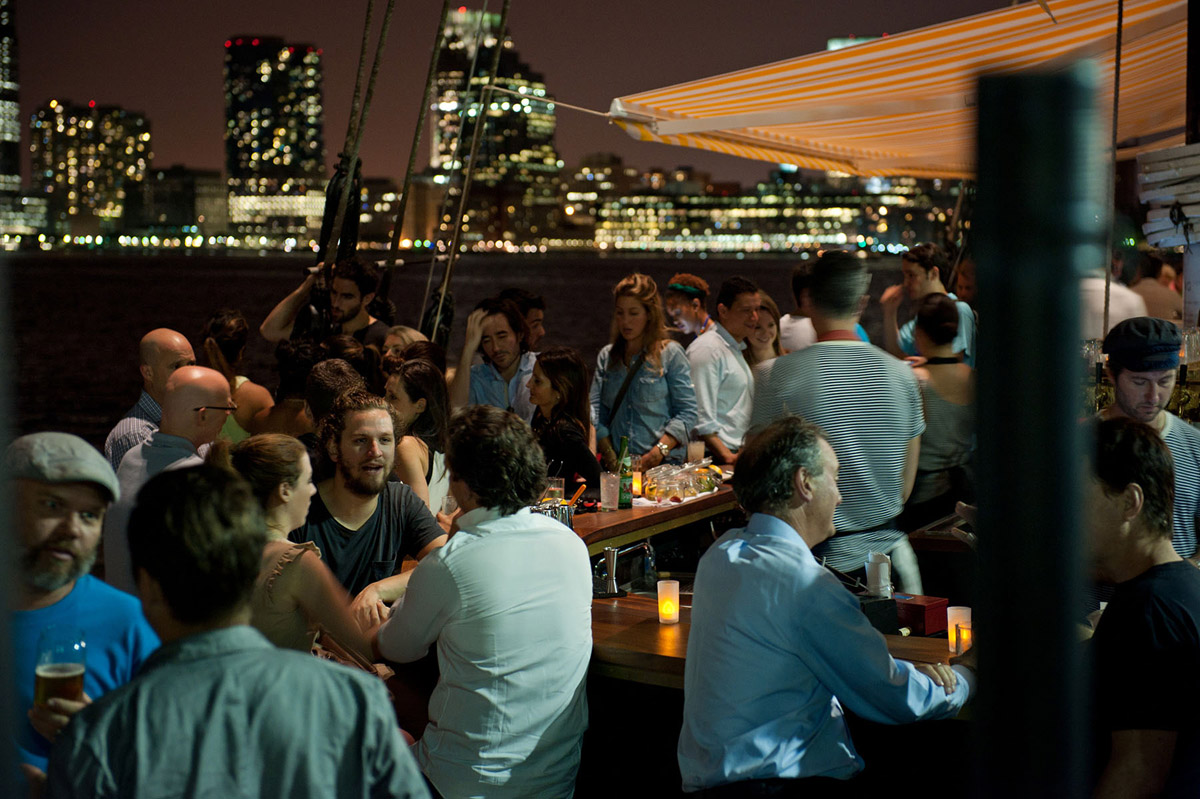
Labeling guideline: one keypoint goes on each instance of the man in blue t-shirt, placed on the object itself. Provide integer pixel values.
(923, 267)
(63, 487)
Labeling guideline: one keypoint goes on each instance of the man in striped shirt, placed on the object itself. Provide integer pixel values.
(1143, 356)
(160, 353)
(869, 405)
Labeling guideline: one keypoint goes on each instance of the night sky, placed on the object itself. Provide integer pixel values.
(164, 58)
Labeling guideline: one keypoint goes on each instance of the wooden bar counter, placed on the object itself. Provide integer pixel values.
(620, 527)
(628, 643)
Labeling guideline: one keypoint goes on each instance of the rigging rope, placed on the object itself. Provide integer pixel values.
(359, 122)
(438, 42)
(477, 134)
(454, 151)
(556, 103)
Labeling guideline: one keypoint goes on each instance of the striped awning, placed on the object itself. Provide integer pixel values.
(905, 104)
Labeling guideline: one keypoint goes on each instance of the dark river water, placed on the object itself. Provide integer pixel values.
(76, 319)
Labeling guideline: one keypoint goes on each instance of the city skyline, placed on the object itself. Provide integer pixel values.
(169, 67)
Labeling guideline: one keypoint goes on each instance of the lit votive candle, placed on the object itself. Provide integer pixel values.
(965, 638)
(956, 615)
(668, 601)
(637, 484)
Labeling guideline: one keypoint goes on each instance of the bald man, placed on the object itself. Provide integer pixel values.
(160, 353)
(196, 402)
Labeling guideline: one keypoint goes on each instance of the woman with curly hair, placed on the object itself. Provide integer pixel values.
(643, 382)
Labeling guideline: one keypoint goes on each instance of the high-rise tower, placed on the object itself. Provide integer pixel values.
(513, 196)
(89, 163)
(274, 135)
(10, 109)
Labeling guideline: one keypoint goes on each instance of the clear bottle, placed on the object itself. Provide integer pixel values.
(625, 490)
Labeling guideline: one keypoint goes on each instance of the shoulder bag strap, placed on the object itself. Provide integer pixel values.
(633, 370)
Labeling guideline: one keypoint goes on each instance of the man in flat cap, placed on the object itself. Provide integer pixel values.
(62, 487)
(1143, 357)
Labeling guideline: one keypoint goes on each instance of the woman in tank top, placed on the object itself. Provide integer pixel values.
(948, 394)
(296, 596)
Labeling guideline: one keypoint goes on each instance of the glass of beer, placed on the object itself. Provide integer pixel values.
(61, 659)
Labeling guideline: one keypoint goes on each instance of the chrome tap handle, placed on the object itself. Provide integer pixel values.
(610, 562)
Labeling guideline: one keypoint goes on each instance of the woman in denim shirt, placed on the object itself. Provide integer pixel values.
(659, 408)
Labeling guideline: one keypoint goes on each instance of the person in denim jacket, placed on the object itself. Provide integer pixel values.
(659, 407)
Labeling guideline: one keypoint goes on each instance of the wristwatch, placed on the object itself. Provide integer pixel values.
(664, 449)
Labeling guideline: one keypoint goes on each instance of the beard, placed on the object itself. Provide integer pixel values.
(363, 484)
(58, 573)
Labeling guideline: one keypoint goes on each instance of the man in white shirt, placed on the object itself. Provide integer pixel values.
(721, 374)
(508, 600)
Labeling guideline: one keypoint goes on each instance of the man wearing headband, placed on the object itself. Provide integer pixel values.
(1143, 356)
(686, 300)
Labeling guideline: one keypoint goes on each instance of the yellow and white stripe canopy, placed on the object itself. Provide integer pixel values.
(905, 104)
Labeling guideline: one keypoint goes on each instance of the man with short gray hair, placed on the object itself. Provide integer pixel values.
(764, 606)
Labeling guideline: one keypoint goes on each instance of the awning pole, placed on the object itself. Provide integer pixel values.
(1112, 170)
(1191, 256)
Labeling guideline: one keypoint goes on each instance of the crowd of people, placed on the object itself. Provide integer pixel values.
(375, 506)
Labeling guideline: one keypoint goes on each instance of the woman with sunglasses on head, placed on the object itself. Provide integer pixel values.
(643, 382)
(558, 388)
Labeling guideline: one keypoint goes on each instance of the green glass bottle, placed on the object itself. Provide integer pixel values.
(625, 490)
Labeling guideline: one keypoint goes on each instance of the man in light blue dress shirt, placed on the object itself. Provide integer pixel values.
(778, 646)
(497, 330)
(721, 374)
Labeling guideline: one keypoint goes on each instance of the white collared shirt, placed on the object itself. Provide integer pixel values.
(509, 601)
(724, 386)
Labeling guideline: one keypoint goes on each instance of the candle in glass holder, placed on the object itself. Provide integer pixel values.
(956, 615)
(965, 638)
(668, 601)
(637, 484)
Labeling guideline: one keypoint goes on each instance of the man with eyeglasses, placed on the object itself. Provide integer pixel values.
(195, 405)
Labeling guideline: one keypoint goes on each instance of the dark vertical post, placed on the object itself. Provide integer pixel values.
(8, 701)
(1039, 212)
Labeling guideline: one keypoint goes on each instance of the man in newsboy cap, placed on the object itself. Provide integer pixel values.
(62, 487)
(1143, 358)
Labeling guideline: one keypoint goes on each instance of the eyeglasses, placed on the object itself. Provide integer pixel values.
(231, 408)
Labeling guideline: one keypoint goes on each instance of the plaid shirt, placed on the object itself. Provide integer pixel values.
(135, 427)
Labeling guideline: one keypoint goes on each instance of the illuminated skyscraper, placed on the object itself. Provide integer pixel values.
(514, 190)
(274, 135)
(10, 109)
(89, 163)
